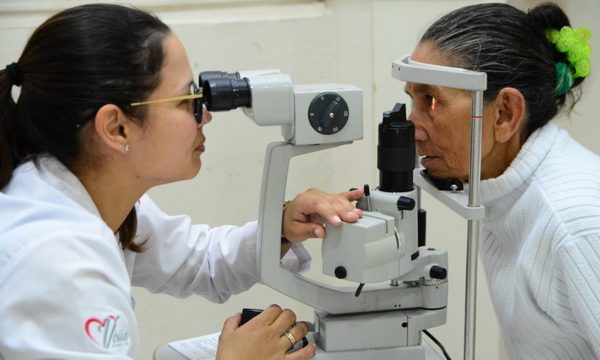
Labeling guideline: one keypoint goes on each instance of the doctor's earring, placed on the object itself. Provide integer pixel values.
(126, 149)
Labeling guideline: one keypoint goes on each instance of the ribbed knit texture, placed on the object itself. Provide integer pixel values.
(540, 247)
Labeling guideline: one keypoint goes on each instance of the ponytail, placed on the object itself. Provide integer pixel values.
(8, 119)
(550, 18)
(127, 232)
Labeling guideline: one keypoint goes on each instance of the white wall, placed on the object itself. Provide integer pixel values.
(350, 41)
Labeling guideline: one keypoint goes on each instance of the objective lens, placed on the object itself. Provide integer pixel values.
(396, 151)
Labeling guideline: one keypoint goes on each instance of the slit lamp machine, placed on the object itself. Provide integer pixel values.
(401, 285)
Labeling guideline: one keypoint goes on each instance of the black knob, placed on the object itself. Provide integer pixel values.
(328, 113)
(405, 203)
(438, 272)
(340, 272)
(248, 314)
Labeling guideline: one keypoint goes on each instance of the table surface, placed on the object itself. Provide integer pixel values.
(165, 352)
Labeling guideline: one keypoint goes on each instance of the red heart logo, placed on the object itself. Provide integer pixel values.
(97, 329)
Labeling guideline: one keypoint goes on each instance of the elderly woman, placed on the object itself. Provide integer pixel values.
(541, 236)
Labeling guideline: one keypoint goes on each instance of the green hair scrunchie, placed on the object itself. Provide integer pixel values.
(574, 44)
(564, 79)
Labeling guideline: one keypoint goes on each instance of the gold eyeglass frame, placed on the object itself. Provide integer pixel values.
(195, 93)
(176, 98)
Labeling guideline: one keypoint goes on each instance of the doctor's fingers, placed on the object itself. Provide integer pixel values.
(333, 208)
(354, 194)
(232, 323)
(284, 321)
(294, 335)
(268, 315)
(305, 353)
(342, 206)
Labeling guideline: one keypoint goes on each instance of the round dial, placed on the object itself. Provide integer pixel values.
(328, 113)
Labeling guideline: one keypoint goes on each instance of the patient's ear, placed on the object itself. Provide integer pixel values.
(508, 114)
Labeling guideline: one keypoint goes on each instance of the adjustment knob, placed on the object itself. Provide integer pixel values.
(328, 113)
(405, 203)
(438, 272)
(340, 272)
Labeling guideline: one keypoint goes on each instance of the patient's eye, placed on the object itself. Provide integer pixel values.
(433, 103)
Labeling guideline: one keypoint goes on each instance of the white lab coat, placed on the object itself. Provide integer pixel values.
(65, 283)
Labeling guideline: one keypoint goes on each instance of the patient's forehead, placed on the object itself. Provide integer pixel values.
(416, 88)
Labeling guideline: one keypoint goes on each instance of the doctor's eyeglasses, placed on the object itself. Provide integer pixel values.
(195, 96)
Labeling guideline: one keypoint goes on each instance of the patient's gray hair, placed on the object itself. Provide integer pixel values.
(511, 47)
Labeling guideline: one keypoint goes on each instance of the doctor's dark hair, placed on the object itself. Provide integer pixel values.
(511, 47)
(74, 63)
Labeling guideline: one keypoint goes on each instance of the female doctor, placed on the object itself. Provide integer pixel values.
(108, 110)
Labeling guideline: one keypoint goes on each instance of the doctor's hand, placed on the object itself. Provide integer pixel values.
(267, 336)
(306, 216)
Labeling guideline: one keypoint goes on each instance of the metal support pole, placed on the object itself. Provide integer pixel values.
(408, 70)
(473, 227)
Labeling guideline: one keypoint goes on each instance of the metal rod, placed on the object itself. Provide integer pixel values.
(471, 290)
(473, 227)
(475, 162)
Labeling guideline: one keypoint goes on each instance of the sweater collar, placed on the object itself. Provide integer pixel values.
(523, 166)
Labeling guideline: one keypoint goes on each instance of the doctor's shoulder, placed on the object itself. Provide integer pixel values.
(62, 280)
(43, 238)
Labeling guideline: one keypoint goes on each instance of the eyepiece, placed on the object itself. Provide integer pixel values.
(209, 75)
(225, 93)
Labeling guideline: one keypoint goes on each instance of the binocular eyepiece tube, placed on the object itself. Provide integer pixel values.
(224, 91)
(308, 114)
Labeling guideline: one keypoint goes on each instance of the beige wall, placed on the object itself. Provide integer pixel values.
(350, 41)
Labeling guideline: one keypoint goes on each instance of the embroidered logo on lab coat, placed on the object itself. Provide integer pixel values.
(107, 333)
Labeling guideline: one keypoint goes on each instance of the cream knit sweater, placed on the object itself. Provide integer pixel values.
(540, 247)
